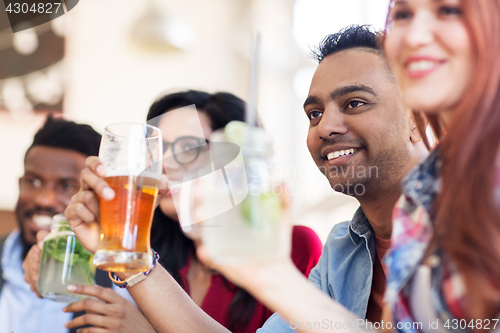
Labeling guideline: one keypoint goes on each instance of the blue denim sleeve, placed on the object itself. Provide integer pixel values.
(275, 324)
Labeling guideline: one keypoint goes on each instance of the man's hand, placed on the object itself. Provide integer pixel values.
(31, 263)
(107, 312)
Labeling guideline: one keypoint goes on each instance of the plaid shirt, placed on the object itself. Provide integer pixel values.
(411, 235)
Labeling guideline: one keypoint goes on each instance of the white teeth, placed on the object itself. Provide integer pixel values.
(172, 183)
(336, 154)
(42, 221)
(421, 65)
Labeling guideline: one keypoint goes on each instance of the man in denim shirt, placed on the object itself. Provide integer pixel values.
(364, 140)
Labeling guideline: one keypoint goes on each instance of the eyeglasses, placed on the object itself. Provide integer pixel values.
(186, 149)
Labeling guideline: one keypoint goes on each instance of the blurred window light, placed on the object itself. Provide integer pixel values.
(314, 19)
(302, 81)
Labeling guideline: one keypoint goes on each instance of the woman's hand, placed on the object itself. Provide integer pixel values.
(31, 263)
(252, 275)
(83, 211)
(108, 312)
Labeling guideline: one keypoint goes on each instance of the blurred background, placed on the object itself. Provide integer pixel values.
(108, 60)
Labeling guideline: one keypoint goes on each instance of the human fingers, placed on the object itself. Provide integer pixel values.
(85, 206)
(40, 236)
(104, 294)
(97, 320)
(92, 178)
(93, 306)
(30, 266)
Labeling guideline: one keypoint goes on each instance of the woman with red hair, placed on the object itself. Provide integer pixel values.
(446, 226)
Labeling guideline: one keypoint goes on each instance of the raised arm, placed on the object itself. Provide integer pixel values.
(282, 288)
(164, 303)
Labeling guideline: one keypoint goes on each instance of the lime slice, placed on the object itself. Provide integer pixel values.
(261, 212)
(235, 132)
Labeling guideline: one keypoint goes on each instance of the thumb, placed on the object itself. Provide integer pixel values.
(40, 236)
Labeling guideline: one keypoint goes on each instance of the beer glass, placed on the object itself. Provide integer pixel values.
(132, 155)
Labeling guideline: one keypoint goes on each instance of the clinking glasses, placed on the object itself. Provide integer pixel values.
(186, 149)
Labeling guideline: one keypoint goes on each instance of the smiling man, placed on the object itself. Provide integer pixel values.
(363, 139)
(52, 167)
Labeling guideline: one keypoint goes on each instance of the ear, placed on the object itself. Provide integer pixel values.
(418, 124)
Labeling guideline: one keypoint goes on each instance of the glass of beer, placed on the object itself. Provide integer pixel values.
(132, 155)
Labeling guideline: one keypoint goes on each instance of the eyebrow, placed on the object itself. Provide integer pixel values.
(310, 100)
(63, 179)
(342, 91)
(404, 2)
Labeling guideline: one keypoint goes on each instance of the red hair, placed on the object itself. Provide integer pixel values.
(467, 218)
(467, 226)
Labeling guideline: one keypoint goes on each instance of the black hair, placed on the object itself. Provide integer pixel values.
(61, 133)
(167, 237)
(353, 36)
(221, 107)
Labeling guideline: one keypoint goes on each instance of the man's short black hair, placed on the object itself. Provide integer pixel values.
(60, 133)
(353, 36)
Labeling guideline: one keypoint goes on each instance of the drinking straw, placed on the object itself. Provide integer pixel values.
(251, 112)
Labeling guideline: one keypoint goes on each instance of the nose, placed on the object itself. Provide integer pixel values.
(46, 197)
(169, 161)
(420, 30)
(332, 123)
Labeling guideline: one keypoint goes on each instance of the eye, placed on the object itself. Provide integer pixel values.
(32, 182)
(450, 11)
(69, 186)
(400, 15)
(314, 114)
(354, 104)
(188, 146)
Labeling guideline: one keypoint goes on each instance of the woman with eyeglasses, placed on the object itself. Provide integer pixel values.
(187, 120)
(186, 143)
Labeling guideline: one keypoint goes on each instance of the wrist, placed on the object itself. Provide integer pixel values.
(125, 279)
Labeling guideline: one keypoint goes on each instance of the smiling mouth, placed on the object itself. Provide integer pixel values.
(172, 186)
(42, 221)
(336, 154)
(419, 68)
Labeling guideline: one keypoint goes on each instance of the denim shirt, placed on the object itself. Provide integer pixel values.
(344, 271)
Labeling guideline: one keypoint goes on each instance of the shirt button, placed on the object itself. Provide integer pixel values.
(418, 184)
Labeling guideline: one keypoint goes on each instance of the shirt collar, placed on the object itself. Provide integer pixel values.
(423, 183)
(359, 225)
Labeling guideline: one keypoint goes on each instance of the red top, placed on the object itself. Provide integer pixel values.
(306, 250)
(376, 300)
